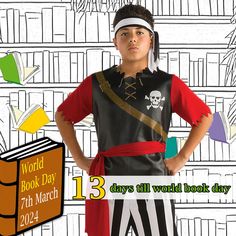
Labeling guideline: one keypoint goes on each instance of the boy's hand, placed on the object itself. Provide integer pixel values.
(174, 164)
(83, 162)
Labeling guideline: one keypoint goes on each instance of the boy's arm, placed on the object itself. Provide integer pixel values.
(67, 132)
(195, 136)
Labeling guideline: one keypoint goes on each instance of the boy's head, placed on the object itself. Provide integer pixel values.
(133, 27)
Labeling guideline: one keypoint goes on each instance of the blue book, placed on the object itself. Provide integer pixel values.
(171, 147)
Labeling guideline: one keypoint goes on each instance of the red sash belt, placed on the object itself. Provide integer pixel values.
(97, 211)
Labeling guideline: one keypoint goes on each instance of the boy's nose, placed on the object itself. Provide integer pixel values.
(132, 40)
(132, 37)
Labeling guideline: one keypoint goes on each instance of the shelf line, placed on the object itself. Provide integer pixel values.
(75, 85)
(41, 45)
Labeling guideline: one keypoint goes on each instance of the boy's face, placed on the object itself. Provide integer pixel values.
(133, 43)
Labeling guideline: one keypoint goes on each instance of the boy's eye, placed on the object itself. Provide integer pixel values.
(140, 33)
(124, 34)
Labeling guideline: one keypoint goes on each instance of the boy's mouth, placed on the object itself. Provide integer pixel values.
(133, 48)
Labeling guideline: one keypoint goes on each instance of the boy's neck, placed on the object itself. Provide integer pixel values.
(131, 69)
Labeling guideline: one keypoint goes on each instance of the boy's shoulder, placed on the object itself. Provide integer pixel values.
(163, 75)
(109, 70)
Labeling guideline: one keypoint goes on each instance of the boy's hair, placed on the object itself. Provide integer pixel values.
(131, 10)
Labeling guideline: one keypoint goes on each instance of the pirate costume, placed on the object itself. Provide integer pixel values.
(132, 118)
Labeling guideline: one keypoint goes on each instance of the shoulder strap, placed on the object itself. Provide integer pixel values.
(106, 88)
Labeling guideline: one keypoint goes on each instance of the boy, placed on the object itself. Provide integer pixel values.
(132, 105)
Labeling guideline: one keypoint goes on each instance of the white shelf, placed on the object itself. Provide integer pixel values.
(212, 46)
(222, 164)
(177, 205)
(36, 1)
(205, 205)
(57, 45)
(73, 202)
(179, 129)
(39, 85)
(74, 85)
(214, 89)
(60, 46)
(52, 124)
(211, 163)
(192, 19)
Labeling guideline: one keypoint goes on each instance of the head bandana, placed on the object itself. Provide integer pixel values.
(153, 54)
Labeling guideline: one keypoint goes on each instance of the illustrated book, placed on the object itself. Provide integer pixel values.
(221, 130)
(31, 185)
(30, 120)
(14, 71)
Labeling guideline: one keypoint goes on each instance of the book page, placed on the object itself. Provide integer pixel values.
(23, 148)
(29, 72)
(226, 125)
(29, 150)
(232, 132)
(20, 65)
(15, 114)
(27, 113)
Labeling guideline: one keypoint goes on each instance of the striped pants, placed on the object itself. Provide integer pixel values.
(147, 217)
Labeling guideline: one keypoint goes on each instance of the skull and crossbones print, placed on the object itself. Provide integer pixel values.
(155, 98)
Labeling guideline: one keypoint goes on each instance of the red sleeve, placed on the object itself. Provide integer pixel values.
(78, 104)
(186, 103)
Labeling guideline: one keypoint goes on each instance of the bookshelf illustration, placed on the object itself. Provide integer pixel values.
(70, 224)
(65, 37)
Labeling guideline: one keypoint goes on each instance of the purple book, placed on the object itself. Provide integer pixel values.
(219, 130)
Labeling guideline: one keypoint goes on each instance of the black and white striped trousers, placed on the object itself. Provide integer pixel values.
(147, 217)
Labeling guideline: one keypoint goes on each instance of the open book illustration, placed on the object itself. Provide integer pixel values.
(221, 129)
(30, 120)
(14, 71)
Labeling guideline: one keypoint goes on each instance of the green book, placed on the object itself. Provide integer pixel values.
(171, 147)
(13, 70)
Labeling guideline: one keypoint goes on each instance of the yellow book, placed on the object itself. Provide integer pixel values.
(29, 121)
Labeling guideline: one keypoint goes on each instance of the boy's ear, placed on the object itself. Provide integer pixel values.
(151, 41)
(114, 41)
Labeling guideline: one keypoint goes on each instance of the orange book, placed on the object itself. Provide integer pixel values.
(31, 185)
